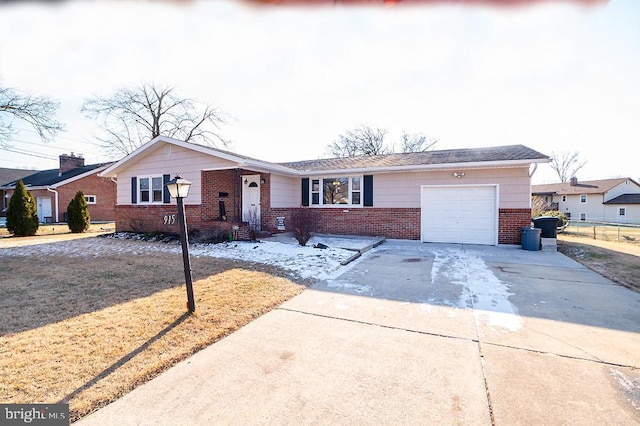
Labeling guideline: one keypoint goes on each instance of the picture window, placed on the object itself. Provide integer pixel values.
(343, 190)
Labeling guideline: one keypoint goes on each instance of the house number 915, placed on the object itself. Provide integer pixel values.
(169, 219)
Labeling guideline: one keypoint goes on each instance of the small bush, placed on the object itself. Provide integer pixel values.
(208, 236)
(78, 218)
(304, 223)
(254, 224)
(22, 213)
(562, 218)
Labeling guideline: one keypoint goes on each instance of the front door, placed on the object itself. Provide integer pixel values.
(44, 209)
(251, 200)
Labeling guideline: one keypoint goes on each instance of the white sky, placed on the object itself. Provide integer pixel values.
(552, 76)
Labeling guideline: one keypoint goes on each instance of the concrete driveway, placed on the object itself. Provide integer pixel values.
(417, 333)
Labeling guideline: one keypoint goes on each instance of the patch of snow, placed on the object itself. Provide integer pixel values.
(347, 285)
(481, 289)
(305, 262)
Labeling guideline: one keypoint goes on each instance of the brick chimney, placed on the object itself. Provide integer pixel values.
(574, 181)
(69, 162)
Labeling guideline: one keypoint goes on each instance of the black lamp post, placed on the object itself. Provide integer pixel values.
(179, 189)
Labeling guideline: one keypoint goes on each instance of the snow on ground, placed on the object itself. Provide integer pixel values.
(305, 262)
(481, 289)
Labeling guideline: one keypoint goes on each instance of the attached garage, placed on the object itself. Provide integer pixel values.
(460, 214)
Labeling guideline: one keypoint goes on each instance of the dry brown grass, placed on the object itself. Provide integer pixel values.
(89, 331)
(59, 229)
(618, 261)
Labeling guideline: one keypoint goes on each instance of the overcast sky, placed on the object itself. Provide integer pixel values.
(552, 76)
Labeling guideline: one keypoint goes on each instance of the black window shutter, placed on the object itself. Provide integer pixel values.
(305, 191)
(166, 197)
(134, 190)
(368, 190)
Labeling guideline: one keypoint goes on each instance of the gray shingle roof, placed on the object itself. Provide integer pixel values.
(53, 176)
(11, 175)
(451, 156)
(625, 199)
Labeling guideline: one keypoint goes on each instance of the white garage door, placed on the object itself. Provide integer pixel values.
(459, 214)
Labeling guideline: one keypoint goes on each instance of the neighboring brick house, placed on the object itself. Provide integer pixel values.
(54, 189)
(10, 175)
(479, 196)
(607, 200)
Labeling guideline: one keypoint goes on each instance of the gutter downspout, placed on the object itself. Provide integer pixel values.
(55, 202)
(535, 167)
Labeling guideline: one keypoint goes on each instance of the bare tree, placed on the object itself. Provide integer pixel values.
(38, 111)
(362, 140)
(133, 116)
(416, 142)
(566, 164)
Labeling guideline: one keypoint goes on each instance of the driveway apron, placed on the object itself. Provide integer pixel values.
(416, 333)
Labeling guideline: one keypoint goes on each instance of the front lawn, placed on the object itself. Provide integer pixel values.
(87, 330)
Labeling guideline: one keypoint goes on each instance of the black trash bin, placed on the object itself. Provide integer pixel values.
(530, 238)
(548, 225)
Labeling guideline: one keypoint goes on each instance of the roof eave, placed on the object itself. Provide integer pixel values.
(240, 161)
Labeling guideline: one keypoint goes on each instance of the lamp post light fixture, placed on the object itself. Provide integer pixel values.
(179, 189)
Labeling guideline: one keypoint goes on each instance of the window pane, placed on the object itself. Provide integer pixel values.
(355, 198)
(315, 185)
(144, 183)
(356, 184)
(336, 191)
(315, 198)
(157, 183)
(144, 196)
(157, 195)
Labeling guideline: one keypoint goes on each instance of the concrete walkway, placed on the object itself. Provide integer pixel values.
(417, 333)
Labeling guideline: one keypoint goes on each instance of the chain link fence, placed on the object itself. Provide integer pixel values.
(605, 231)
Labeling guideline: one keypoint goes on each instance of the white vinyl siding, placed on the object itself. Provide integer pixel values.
(402, 190)
(285, 191)
(626, 187)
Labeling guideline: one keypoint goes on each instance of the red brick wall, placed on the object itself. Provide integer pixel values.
(213, 184)
(155, 218)
(366, 221)
(510, 222)
(216, 182)
(104, 189)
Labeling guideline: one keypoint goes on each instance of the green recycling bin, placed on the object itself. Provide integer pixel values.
(530, 238)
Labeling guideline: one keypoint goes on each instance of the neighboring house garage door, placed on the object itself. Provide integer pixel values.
(459, 214)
